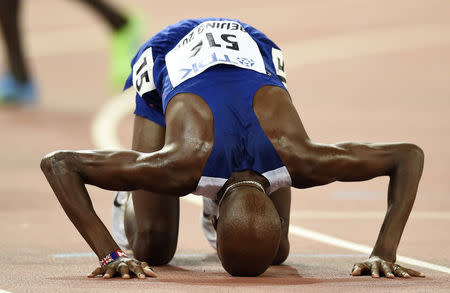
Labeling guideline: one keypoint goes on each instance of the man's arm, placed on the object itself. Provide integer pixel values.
(405, 174)
(67, 176)
(312, 164)
(174, 169)
(68, 172)
(402, 162)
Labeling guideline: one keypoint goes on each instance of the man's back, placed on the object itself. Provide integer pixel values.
(224, 62)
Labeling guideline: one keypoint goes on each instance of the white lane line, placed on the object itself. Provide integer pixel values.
(334, 241)
(74, 255)
(357, 195)
(316, 214)
(329, 255)
(106, 122)
(104, 135)
(4, 291)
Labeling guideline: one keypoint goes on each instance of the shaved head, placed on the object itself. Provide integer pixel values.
(248, 230)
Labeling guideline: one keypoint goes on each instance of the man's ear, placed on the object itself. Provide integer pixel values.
(214, 222)
(283, 224)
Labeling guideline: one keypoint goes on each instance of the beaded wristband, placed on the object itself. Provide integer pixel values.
(112, 257)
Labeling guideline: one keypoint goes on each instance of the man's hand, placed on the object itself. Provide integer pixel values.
(375, 265)
(123, 266)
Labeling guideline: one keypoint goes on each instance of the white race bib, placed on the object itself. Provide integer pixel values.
(278, 63)
(211, 43)
(143, 73)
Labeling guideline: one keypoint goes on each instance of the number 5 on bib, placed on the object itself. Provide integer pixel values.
(143, 73)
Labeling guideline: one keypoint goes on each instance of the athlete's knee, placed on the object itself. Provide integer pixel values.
(284, 247)
(155, 247)
(283, 251)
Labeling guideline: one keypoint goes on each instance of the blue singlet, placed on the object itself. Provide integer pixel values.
(224, 62)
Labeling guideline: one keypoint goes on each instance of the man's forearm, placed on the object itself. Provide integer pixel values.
(392, 230)
(69, 188)
(402, 191)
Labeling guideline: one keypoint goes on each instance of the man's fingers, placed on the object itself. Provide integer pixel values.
(400, 272)
(375, 270)
(96, 272)
(110, 271)
(137, 269)
(141, 270)
(124, 271)
(376, 266)
(387, 271)
(358, 269)
(148, 270)
(414, 273)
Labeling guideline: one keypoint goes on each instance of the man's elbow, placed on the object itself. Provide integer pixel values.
(184, 175)
(55, 163)
(412, 155)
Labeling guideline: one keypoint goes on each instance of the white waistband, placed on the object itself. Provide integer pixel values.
(209, 186)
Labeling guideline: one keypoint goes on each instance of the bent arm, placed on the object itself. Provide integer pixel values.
(68, 172)
(175, 169)
(403, 163)
(68, 186)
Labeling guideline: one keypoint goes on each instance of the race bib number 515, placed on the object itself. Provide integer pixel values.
(211, 43)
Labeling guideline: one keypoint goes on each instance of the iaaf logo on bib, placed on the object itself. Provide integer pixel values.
(225, 59)
(245, 61)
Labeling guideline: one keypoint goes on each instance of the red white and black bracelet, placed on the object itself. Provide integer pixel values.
(112, 257)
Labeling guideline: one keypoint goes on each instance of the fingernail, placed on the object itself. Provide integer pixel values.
(375, 276)
(126, 276)
(390, 275)
(407, 275)
(141, 276)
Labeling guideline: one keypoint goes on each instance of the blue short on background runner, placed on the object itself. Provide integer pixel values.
(224, 62)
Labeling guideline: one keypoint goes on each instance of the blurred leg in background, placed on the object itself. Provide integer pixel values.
(15, 82)
(16, 85)
(126, 37)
